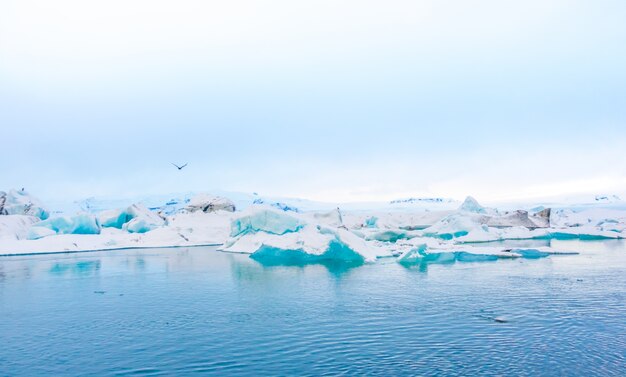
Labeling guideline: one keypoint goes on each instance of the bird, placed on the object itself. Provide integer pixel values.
(179, 167)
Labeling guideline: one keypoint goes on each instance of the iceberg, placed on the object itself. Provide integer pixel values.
(208, 203)
(112, 218)
(38, 232)
(16, 227)
(471, 205)
(457, 225)
(134, 219)
(267, 233)
(370, 222)
(79, 224)
(279, 205)
(21, 203)
(391, 235)
(264, 219)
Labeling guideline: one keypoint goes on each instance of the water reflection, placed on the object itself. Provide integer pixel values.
(258, 268)
(335, 267)
(81, 268)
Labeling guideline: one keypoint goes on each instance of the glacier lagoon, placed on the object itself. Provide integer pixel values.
(196, 310)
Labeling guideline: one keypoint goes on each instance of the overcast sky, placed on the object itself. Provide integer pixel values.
(329, 100)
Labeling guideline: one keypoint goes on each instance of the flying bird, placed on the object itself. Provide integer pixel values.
(179, 167)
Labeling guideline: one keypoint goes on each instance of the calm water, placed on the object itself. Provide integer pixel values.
(186, 311)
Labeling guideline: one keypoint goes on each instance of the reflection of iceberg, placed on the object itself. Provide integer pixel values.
(79, 268)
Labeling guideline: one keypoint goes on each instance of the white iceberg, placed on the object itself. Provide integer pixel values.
(16, 227)
(134, 219)
(471, 205)
(20, 202)
(267, 233)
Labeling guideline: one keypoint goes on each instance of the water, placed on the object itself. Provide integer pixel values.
(186, 311)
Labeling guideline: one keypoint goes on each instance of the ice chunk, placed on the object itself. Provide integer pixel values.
(517, 218)
(21, 203)
(531, 253)
(471, 205)
(208, 203)
(413, 255)
(140, 225)
(370, 222)
(263, 219)
(330, 218)
(37, 232)
(336, 251)
(113, 218)
(279, 205)
(16, 226)
(278, 234)
(134, 219)
(391, 235)
(79, 224)
(457, 225)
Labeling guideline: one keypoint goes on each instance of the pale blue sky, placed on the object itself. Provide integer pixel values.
(330, 100)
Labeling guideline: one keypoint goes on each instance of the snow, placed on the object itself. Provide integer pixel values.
(20, 202)
(210, 203)
(16, 227)
(271, 232)
(471, 205)
(265, 219)
(413, 231)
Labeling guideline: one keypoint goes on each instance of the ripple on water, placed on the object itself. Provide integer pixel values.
(195, 310)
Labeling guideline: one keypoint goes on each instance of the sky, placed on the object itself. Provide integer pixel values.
(325, 100)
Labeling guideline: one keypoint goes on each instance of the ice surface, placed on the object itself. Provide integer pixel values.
(281, 206)
(209, 203)
(471, 205)
(264, 219)
(20, 202)
(79, 224)
(112, 218)
(38, 232)
(370, 222)
(392, 235)
(134, 219)
(16, 227)
(272, 234)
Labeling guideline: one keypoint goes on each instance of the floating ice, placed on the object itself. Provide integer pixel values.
(457, 225)
(263, 219)
(278, 205)
(370, 222)
(267, 233)
(471, 205)
(79, 224)
(134, 219)
(38, 232)
(16, 226)
(112, 218)
(140, 219)
(21, 203)
(391, 235)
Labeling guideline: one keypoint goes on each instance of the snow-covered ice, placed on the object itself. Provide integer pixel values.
(412, 231)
